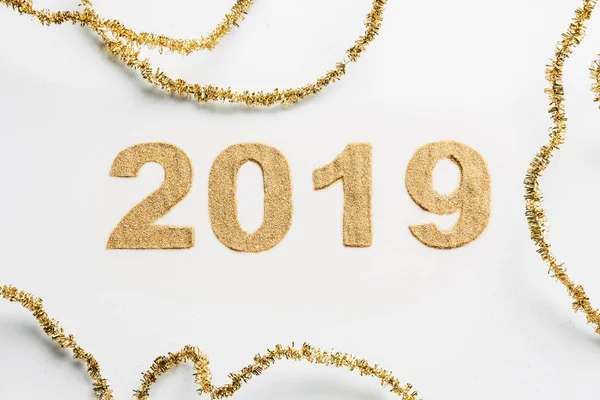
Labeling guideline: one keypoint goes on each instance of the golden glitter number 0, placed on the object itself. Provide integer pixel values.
(137, 230)
(222, 204)
(353, 168)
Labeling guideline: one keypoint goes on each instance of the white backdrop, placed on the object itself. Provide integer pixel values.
(482, 321)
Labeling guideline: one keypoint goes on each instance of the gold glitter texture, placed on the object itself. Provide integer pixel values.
(137, 230)
(472, 198)
(222, 202)
(124, 44)
(354, 168)
(536, 215)
(595, 75)
(203, 378)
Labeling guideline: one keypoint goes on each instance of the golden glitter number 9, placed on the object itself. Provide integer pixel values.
(472, 198)
(222, 204)
(353, 168)
(136, 229)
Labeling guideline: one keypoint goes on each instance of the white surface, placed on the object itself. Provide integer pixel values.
(484, 321)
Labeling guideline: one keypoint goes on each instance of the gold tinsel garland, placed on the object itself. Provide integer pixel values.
(203, 377)
(536, 215)
(124, 44)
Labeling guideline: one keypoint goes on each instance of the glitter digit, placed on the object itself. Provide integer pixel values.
(137, 230)
(472, 199)
(354, 168)
(277, 197)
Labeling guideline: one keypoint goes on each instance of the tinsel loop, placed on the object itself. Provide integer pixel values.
(124, 44)
(535, 212)
(203, 377)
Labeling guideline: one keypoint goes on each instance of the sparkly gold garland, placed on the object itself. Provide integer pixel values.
(121, 42)
(536, 215)
(595, 75)
(203, 378)
(125, 44)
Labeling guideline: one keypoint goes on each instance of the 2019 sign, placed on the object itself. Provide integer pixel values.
(353, 167)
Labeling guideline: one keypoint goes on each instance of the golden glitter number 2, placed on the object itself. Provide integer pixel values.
(353, 167)
(137, 230)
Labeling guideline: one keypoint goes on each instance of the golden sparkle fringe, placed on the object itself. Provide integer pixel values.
(124, 44)
(536, 215)
(203, 377)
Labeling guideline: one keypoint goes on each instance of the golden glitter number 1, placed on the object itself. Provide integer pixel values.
(137, 230)
(353, 168)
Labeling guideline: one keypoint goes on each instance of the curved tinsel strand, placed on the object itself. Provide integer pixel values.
(595, 76)
(51, 327)
(536, 215)
(124, 44)
(192, 354)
